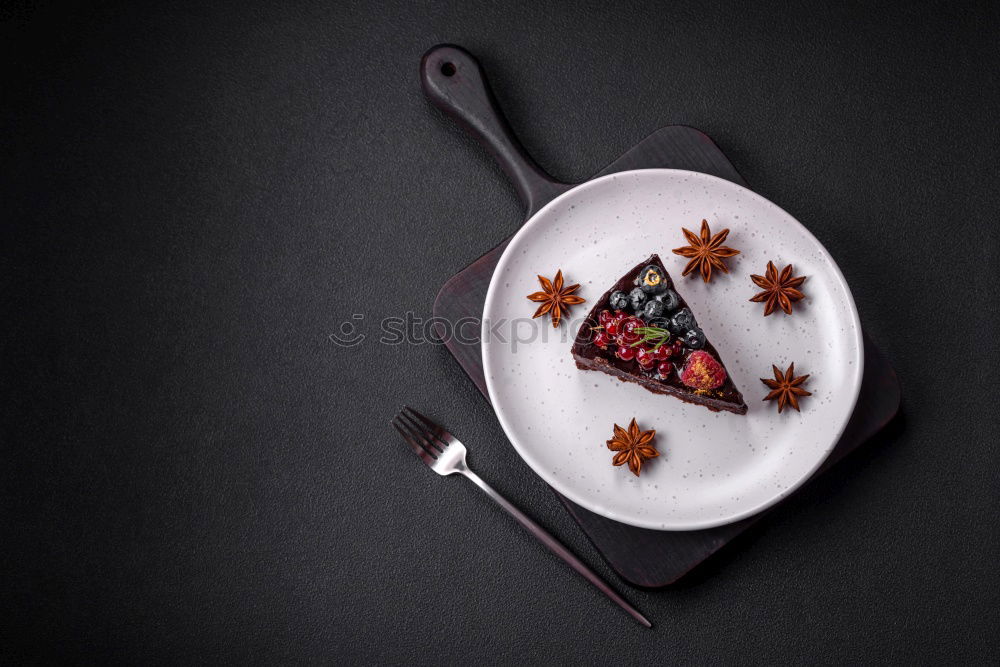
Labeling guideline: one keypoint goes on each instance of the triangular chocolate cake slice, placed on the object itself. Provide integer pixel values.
(642, 331)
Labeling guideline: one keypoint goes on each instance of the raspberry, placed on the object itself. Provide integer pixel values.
(702, 371)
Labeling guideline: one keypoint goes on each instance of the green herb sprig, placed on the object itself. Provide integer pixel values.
(657, 335)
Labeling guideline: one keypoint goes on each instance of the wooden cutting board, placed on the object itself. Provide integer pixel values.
(454, 82)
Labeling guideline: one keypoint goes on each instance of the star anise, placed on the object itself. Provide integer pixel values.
(786, 387)
(632, 446)
(555, 298)
(779, 290)
(705, 252)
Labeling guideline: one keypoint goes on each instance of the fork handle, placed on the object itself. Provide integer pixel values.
(556, 547)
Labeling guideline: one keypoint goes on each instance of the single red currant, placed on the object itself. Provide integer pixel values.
(604, 317)
(602, 340)
(627, 329)
(625, 353)
(645, 357)
(665, 368)
(662, 353)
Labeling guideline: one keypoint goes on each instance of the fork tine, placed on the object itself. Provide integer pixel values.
(417, 449)
(426, 439)
(420, 434)
(438, 431)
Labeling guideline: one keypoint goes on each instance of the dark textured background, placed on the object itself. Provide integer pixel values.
(194, 197)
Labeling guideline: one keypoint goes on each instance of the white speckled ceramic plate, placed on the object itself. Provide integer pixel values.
(713, 468)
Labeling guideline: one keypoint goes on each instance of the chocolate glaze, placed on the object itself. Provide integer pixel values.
(590, 357)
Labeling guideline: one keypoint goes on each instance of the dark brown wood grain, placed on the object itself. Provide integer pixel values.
(642, 557)
(453, 80)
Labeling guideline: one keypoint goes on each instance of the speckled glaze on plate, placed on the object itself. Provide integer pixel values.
(713, 468)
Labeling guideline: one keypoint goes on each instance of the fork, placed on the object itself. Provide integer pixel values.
(445, 455)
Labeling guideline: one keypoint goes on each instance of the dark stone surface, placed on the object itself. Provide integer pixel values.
(195, 197)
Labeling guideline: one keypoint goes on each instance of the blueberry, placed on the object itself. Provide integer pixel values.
(659, 322)
(618, 300)
(694, 338)
(653, 308)
(682, 321)
(637, 298)
(653, 280)
(670, 300)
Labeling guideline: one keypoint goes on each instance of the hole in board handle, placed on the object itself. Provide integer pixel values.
(448, 69)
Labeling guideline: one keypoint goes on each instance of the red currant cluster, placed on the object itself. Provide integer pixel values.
(634, 339)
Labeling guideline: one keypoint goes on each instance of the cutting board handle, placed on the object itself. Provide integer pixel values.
(455, 83)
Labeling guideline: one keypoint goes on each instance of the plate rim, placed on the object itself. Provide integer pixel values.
(556, 485)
